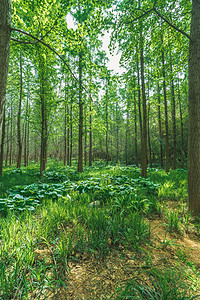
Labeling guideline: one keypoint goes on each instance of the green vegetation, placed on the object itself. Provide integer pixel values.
(47, 223)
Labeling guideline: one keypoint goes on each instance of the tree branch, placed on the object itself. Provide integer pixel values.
(54, 51)
(141, 16)
(163, 18)
(37, 41)
(171, 25)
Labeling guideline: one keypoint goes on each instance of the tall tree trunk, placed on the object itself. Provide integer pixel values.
(43, 147)
(85, 144)
(68, 137)
(144, 124)
(107, 158)
(139, 98)
(117, 133)
(7, 142)
(2, 145)
(90, 135)
(166, 115)
(194, 112)
(19, 141)
(65, 135)
(182, 131)
(127, 134)
(135, 125)
(65, 126)
(173, 115)
(71, 134)
(148, 124)
(149, 137)
(80, 139)
(5, 25)
(28, 134)
(11, 134)
(160, 126)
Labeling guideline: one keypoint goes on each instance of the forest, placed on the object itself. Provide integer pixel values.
(99, 149)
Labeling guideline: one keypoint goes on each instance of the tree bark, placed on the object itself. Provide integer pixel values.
(19, 142)
(85, 133)
(107, 158)
(80, 139)
(65, 127)
(160, 126)
(194, 112)
(7, 142)
(90, 135)
(139, 100)
(166, 116)
(144, 124)
(135, 125)
(71, 135)
(173, 116)
(5, 31)
(2, 145)
(182, 131)
(11, 134)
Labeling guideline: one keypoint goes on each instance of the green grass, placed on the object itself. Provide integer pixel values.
(58, 214)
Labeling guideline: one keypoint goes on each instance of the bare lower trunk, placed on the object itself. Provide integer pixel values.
(135, 125)
(5, 24)
(194, 112)
(80, 139)
(19, 142)
(182, 131)
(160, 126)
(144, 125)
(2, 146)
(90, 132)
(166, 116)
(173, 117)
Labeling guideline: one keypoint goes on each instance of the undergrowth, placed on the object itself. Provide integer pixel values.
(66, 214)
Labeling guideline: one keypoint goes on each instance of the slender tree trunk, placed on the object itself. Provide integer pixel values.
(2, 145)
(166, 115)
(65, 135)
(135, 125)
(7, 144)
(80, 140)
(194, 112)
(25, 144)
(68, 137)
(139, 100)
(160, 126)
(144, 125)
(107, 158)
(173, 116)
(182, 130)
(65, 126)
(127, 134)
(5, 25)
(19, 141)
(117, 133)
(43, 148)
(85, 144)
(90, 135)
(149, 137)
(71, 134)
(11, 134)
(28, 134)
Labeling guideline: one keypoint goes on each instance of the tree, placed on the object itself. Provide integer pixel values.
(5, 34)
(194, 111)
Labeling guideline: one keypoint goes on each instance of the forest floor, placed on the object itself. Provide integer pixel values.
(170, 256)
(104, 234)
